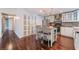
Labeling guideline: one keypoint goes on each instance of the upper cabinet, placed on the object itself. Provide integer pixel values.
(50, 18)
(71, 16)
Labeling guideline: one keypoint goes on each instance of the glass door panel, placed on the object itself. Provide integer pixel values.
(7, 23)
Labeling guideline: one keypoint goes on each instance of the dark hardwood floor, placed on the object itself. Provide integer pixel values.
(30, 43)
(62, 43)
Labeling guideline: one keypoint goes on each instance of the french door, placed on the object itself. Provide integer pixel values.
(7, 23)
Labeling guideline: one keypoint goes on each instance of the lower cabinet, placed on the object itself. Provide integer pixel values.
(67, 31)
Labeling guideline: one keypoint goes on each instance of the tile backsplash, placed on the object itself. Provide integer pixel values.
(71, 24)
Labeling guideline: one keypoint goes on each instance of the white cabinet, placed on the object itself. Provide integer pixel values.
(50, 18)
(71, 16)
(78, 15)
(76, 40)
(76, 37)
(63, 17)
(0, 26)
(67, 31)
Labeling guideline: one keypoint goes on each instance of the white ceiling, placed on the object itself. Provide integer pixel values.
(49, 11)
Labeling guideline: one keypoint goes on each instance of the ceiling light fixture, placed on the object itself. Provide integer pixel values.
(41, 11)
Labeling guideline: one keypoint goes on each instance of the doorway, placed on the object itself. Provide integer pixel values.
(7, 22)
